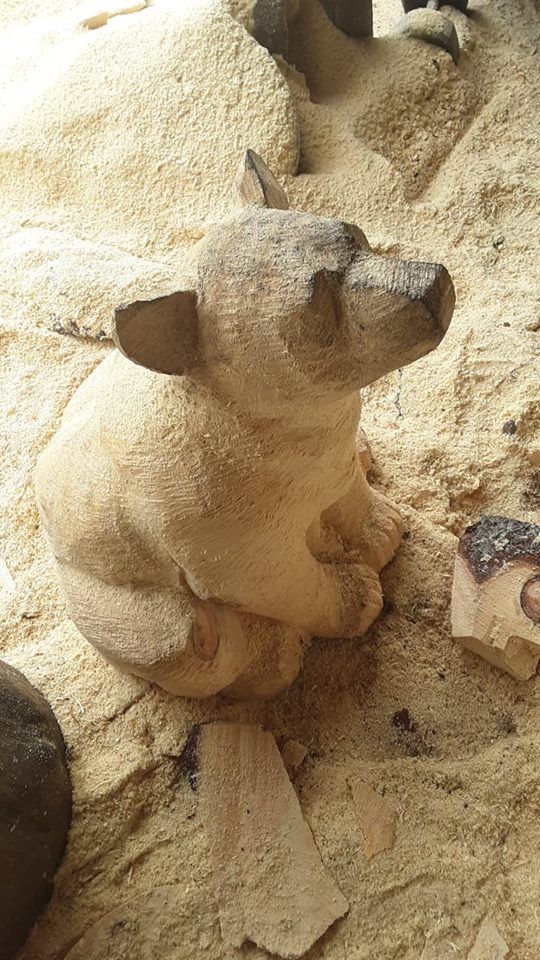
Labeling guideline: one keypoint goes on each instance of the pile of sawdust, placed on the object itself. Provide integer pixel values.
(115, 146)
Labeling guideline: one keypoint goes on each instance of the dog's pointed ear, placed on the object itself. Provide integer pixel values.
(256, 185)
(160, 334)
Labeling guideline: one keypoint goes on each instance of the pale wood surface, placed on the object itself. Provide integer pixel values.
(270, 883)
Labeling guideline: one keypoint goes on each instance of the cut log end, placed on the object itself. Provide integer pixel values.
(530, 599)
(496, 594)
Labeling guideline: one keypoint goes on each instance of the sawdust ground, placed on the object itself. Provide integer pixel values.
(433, 162)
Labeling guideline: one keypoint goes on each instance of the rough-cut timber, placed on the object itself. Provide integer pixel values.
(204, 496)
(270, 884)
(496, 594)
(35, 806)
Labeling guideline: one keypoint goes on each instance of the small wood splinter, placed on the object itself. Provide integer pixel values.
(496, 594)
(377, 818)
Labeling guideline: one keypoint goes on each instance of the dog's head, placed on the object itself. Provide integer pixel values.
(288, 305)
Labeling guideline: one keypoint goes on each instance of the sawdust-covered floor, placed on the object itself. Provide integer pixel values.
(116, 146)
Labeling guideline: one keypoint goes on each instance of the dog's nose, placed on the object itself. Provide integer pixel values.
(401, 310)
(428, 284)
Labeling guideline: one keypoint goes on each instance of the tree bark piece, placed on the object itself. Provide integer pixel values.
(496, 594)
(377, 818)
(269, 880)
(35, 806)
(353, 17)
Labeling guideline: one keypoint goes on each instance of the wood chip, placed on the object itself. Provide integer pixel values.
(293, 754)
(496, 594)
(103, 17)
(489, 945)
(377, 818)
(269, 881)
(256, 185)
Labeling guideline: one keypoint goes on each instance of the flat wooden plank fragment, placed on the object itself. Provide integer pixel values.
(496, 594)
(269, 881)
(103, 17)
(377, 818)
(489, 945)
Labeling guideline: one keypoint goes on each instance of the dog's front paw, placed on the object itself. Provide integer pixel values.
(379, 531)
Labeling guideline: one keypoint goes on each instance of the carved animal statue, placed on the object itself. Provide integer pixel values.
(204, 497)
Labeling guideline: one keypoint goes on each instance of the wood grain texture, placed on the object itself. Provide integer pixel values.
(269, 880)
(205, 497)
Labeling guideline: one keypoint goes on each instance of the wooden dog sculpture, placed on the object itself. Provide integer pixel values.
(203, 497)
